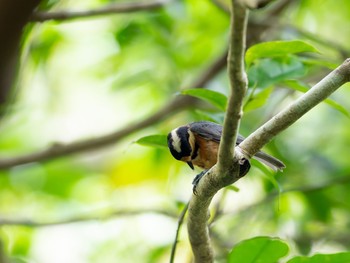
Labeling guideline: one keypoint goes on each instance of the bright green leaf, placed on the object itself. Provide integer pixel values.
(216, 98)
(157, 140)
(302, 87)
(277, 49)
(323, 258)
(258, 250)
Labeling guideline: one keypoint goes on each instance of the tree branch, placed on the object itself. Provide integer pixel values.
(255, 4)
(177, 104)
(296, 110)
(227, 169)
(84, 218)
(238, 83)
(179, 224)
(14, 16)
(106, 10)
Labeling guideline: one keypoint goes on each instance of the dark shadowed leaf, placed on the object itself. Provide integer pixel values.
(258, 250)
(277, 49)
(218, 99)
(158, 140)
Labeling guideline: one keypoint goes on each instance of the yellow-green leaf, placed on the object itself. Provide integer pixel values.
(158, 140)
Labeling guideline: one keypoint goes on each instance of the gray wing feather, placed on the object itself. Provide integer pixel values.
(213, 131)
(210, 130)
(206, 129)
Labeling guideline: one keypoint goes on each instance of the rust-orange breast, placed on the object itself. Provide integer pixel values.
(207, 153)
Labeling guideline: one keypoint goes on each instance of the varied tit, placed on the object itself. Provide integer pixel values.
(198, 143)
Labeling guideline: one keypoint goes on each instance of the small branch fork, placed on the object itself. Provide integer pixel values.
(226, 171)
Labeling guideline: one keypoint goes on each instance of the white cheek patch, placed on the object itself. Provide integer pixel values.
(176, 141)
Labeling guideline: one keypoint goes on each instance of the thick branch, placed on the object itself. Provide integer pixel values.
(106, 10)
(14, 16)
(179, 103)
(224, 173)
(296, 110)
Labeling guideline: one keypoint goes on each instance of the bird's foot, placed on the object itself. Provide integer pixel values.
(196, 180)
(244, 167)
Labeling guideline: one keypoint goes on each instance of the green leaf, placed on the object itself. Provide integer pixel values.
(158, 140)
(257, 99)
(269, 173)
(277, 49)
(302, 87)
(217, 117)
(258, 250)
(218, 99)
(267, 72)
(323, 258)
(319, 62)
(232, 188)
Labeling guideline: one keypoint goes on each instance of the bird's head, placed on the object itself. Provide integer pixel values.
(181, 144)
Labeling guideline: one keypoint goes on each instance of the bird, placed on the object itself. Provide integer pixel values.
(197, 144)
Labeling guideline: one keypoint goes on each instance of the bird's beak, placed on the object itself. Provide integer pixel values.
(190, 164)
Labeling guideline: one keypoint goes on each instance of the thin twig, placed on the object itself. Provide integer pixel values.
(106, 10)
(177, 104)
(176, 240)
(84, 218)
(3, 258)
(302, 189)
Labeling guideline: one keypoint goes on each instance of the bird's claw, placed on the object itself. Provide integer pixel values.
(196, 180)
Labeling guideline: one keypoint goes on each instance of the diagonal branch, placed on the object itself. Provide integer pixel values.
(106, 10)
(296, 110)
(177, 104)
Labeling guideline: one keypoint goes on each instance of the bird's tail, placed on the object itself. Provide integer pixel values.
(270, 161)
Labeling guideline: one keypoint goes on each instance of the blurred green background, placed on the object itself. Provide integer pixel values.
(88, 77)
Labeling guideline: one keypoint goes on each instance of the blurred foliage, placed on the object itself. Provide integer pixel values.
(258, 249)
(85, 78)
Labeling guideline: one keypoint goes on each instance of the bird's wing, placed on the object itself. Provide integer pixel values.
(207, 130)
(210, 131)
